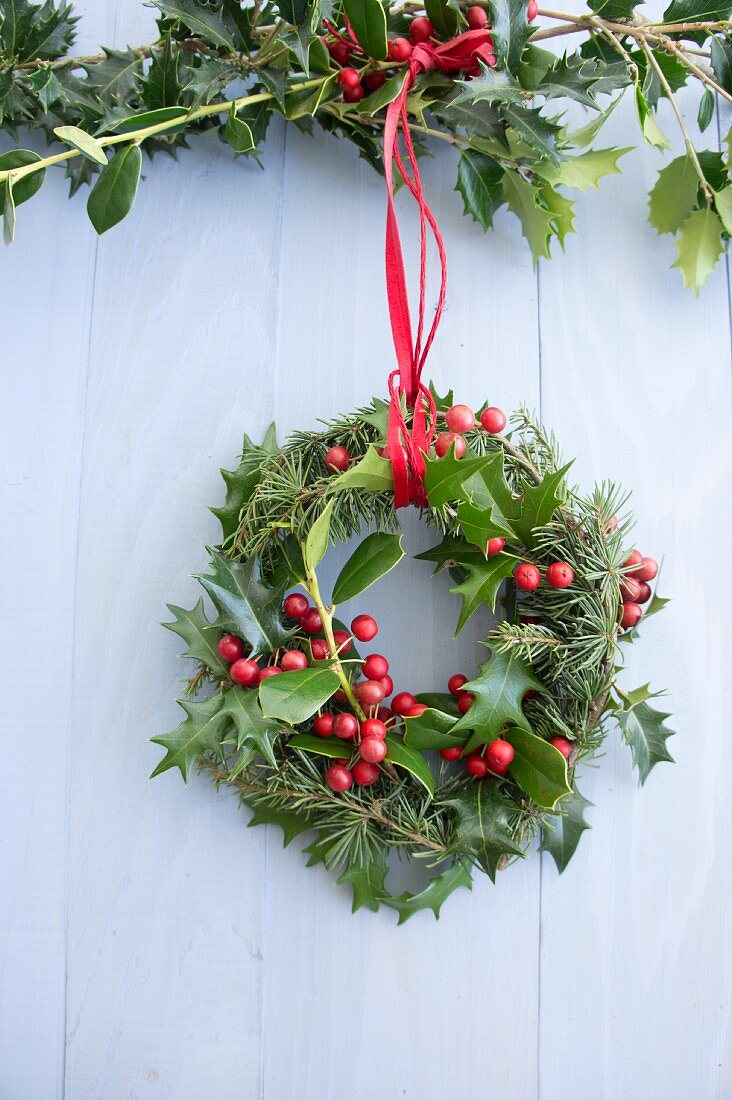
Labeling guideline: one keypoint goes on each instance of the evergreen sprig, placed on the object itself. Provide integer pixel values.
(507, 124)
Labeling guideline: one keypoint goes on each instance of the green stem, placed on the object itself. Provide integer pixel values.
(326, 614)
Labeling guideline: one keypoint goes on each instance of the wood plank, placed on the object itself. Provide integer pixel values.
(636, 943)
(368, 998)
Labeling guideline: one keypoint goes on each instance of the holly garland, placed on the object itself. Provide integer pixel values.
(311, 733)
(339, 64)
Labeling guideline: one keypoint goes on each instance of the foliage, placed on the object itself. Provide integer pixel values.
(230, 65)
(551, 667)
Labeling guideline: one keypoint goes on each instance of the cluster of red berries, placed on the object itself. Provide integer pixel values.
(460, 419)
(634, 588)
(557, 575)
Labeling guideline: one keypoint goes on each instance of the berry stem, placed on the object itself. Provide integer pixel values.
(326, 614)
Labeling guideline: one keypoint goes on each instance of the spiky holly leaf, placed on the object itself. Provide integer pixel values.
(536, 222)
(644, 730)
(246, 606)
(674, 195)
(483, 825)
(721, 61)
(211, 24)
(479, 525)
(256, 733)
(585, 170)
(367, 881)
(492, 86)
(161, 86)
(689, 11)
(372, 473)
(35, 31)
(201, 731)
(200, 636)
(615, 9)
(723, 203)
(479, 183)
(451, 551)
(377, 416)
(116, 76)
(440, 700)
(434, 895)
(534, 129)
(45, 84)
(444, 477)
(573, 77)
(539, 504)
(482, 586)
(499, 690)
(511, 31)
(538, 768)
(291, 822)
(240, 484)
(699, 246)
(445, 401)
(561, 832)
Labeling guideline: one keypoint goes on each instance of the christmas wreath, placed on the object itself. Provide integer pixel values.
(462, 776)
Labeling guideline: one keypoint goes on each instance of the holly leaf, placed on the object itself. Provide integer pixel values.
(30, 31)
(692, 11)
(674, 195)
(45, 84)
(561, 832)
(573, 76)
(482, 586)
(538, 768)
(614, 9)
(534, 129)
(706, 109)
(451, 551)
(411, 759)
(372, 473)
(510, 30)
(201, 731)
(479, 183)
(199, 635)
(433, 896)
(644, 730)
(483, 825)
(116, 76)
(377, 555)
(246, 606)
(240, 484)
(585, 170)
(256, 732)
(499, 690)
(650, 129)
(444, 477)
(161, 86)
(492, 86)
(292, 822)
(721, 60)
(210, 24)
(723, 204)
(368, 19)
(432, 729)
(440, 700)
(296, 696)
(238, 134)
(539, 504)
(699, 246)
(367, 881)
(377, 416)
(321, 746)
(316, 542)
(478, 525)
(536, 221)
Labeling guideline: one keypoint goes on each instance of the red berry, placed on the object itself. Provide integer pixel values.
(311, 621)
(420, 29)
(388, 685)
(293, 661)
(245, 672)
(528, 695)
(375, 667)
(465, 701)
(631, 614)
(564, 746)
(343, 641)
(339, 50)
(416, 710)
(529, 620)
(373, 727)
(384, 714)
(340, 696)
(295, 605)
(645, 593)
(499, 754)
(365, 774)
(634, 558)
(630, 589)
(400, 49)
(230, 647)
(527, 577)
(460, 418)
(338, 777)
(559, 574)
(345, 726)
(319, 649)
(477, 18)
(349, 78)
(372, 749)
(648, 570)
(375, 80)
(270, 670)
(493, 420)
(476, 765)
(498, 769)
(364, 627)
(532, 11)
(323, 725)
(455, 683)
(350, 95)
(403, 702)
(453, 753)
(370, 692)
(338, 458)
(494, 547)
(444, 442)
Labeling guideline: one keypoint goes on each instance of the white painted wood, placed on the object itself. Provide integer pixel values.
(203, 959)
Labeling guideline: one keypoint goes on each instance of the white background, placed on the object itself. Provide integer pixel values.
(152, 946)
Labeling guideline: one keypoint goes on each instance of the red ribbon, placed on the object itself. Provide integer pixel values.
(406, 449)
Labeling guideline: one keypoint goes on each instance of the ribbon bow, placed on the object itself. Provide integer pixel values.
(406, 449)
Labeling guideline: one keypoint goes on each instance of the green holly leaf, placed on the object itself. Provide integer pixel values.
(368, 19)
(316, 542)
(377, 555)
(573, 77)
(30, 31)
(444, 477)
(615, 9)
(583, 137)
(451, 551)
(377, 416)
(492, 86)
(723, 204)
(481, 586)
(238, 133)
(367, 881)
(240, 484)
(439, 700)
(321, 746)
(433, 896)
(200, 636)
(483, 825)
(246, 606)
(536, 221)
(721, 60)
(511, 31)
(534, 129)
(445, 401)
(479, 183)
(411, 759)
(650, 129)
(674, 195)
(114, 78)
(112, 196)
(479, 525)
(585, 170)
(47, 87)
(292, 822)
(372, 473)
(296, 696)
(201, 731)
(539, 504)
(692, 11)
(432, 729)
(644, 730)
(538, 768)
(161, 86)
(444, 16)
(561, 832)
(256, 732)
(562, 212)
(210, 24)
(706, 109)
(699, 246)
(27, 187)
(499, 690)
